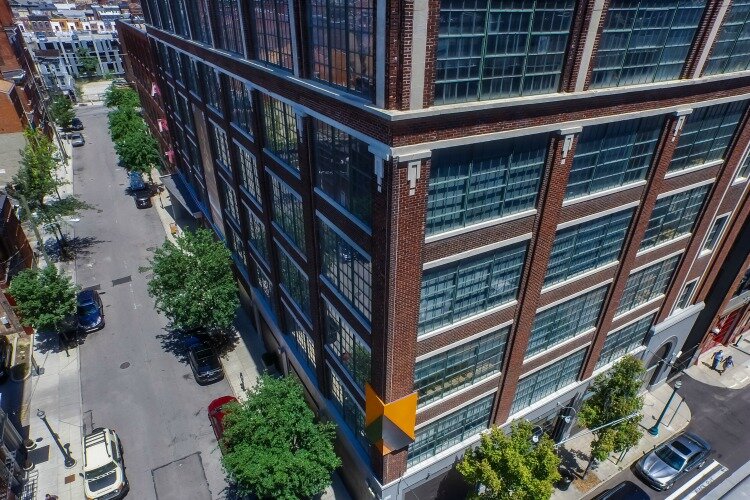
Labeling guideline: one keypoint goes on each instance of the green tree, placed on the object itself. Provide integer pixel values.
(138, 150)
(43, 298)
(87, 63)
(118, 96)
(613, 398)
(274, 447)
(61, 111)
(122, 121)
(512, 466)
(192, 282)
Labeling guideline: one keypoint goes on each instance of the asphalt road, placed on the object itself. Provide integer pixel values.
(721, 417)
(134, 375)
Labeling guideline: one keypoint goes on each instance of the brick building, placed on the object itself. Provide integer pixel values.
(486, 203)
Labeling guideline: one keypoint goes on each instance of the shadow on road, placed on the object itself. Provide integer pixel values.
(75, 247)
(173, 341)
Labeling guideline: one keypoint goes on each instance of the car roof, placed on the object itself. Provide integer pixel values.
(96, 449)
(693, 441)
(85, 296)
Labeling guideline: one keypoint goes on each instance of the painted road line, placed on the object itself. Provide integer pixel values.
(716, 475)
(697, 478)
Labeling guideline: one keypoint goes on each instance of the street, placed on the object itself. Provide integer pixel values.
(719, 416)
(134, 375)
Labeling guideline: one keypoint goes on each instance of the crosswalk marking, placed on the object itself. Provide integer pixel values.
(705, 483)
(697, 478)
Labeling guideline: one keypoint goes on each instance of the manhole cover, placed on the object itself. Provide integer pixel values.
(124, 365)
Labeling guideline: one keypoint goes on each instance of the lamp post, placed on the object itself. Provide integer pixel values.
(69, 461)
(654, 431)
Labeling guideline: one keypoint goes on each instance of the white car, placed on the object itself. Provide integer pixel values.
(103, 466)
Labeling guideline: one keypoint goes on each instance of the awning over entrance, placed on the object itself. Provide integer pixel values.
(180, 193)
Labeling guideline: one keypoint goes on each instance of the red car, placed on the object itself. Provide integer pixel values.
(216, 415)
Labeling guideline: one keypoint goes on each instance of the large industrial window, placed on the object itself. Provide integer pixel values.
(346, 268)
(450, 430)
(731, 51)
(200, 20)
(344, 170)
(272, 30)
(622, 341)
(179, 17)
(645, 41)
(249, 174)
(287, 212)
(349, 348)
(470, 286)
(281, 130)
(445, 373)
(257, 233)
(491, 50)
(613, 154)
(474, 183)
(546, 381)
(265, 287)
(191, 73)
(221, 147)
(211, 84)
(706, 134)
(294, 281)
(230, 202)
(241, 112)
(300, 340)
(674, 216)
(586, 246)
(565, 321)
(647, 284)
(226, 14)
(343, 44)
(348, 408)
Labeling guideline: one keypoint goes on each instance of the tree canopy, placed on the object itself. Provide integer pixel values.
(35, 178)
(193, 283)
(138, 150)
(122, 121)
(61, 111)
(43, 298)
(121, 97)
(274, 447)
(512, 466)
(88, 63)
(614, 396)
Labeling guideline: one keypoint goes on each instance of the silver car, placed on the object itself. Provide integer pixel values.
(76, 139)
(665, 464)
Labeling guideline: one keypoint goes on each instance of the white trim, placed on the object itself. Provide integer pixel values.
(574, 295)
(654, 262)
(457, 408)
(577, 277)
(475, 251)
(479, 225)
(343, 211)
(456, 324)
(429, 462)
(647, 303)
(606, 192)
(343, 236)
(597, 215)
(663, 244)
(677, 173)
(463, 341)
(737, 179)
(588, 46)
(565, 342)
(706, 251)
(463, 390)
(686, 188)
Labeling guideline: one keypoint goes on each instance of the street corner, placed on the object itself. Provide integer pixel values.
(734, 377)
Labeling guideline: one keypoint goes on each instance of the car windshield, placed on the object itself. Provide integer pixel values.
(87, 309)
(670, 457)
(102, 477)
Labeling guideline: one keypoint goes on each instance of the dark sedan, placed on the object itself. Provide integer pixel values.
(76, 124)
(668, 462)
(142, 197)
(203, 360)
(90, 311)
(626, 490)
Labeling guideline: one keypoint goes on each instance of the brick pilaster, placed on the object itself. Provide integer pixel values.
(574, 54)
(702, 36)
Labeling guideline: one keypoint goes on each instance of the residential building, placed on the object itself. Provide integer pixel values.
(484, 203)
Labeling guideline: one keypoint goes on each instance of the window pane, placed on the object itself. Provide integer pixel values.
(300, 340)
(249, 174)
(564, 321)
(344, 170)
(257, 232)
(674, 216)
(581, 248)
(349, 348)
(492, 50)
(265, 287)
(624, 340)
(713, 235)
(211, 86)
(546, 381)
(686, 295)
(348, 408)
(447, 372)
(294, 281)
(613, 154)
(647, 284)
(287, 212)
(342, 44)
(241, 112)
(281, 131)
(744, 171)
(230, 201)
(273, 39)
(470, 286)
(471, 184)
(200, 21)
(221, 147)
(645, 41)
(226, 14)
(731, 51)
(706, 134)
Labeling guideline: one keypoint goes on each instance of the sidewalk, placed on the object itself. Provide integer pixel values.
(737, 377)
(575, 453)
(242, 364)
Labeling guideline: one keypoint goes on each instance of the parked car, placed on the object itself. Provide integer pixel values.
(103, 466)
(216, 414)
(135, 181)
(668, 462)
(76, 124)
(76, 139)
(203, 359)
(90, 311)
(142, 197)
(626, 490)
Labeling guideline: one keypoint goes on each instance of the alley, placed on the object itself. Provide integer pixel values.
(134, 375)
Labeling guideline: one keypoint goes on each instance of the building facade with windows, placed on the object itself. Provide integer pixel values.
(487, 203)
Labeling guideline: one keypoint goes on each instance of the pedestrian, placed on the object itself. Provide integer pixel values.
(718, 356)
(50, 497)
(728, 363)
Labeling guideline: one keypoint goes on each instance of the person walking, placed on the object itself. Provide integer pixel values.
(718, 356)
(728, 363)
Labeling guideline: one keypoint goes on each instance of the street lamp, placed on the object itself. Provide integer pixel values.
(654, 431)
(568, 418)
(69, 461)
